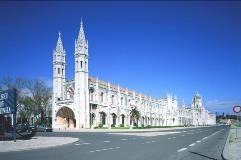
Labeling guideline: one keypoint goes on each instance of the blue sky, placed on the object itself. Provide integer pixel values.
(150, 47)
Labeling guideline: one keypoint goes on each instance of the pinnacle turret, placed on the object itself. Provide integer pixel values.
(59, 46)
(81, 36)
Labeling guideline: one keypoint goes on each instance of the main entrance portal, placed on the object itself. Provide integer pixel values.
(65, 118)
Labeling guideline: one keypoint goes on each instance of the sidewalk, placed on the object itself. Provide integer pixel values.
(123, 130)
(35, 143)
(232, 150)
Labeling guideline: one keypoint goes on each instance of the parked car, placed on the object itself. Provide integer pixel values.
(41, 128)
(26, 128)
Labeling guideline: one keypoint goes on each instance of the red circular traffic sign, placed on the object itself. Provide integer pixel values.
(237, 109)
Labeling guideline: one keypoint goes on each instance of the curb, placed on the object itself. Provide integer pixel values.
(225, 152)
(39, 147)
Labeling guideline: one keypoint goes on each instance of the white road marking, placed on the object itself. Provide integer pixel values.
(168, 138)
(123, 139)
(198, 141)
(85, 143)
(77, 144)
(183, 135)
(104, 149)
(182, 149)
(107, 141)
(184, 131)
(193, 144)
(205, 138)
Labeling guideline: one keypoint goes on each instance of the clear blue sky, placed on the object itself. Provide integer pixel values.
(152, 48)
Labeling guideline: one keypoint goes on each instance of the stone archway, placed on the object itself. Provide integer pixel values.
(65, 118)
(114, 116)
(103, 118)
(123, 120)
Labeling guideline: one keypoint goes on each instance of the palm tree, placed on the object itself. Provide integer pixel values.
(134, 115)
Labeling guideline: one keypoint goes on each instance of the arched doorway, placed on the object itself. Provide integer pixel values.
(92, 119)
(113, 119)
(123, 120)
(65, 118)
(102, 118)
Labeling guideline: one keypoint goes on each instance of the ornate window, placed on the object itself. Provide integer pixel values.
(122, 99)
(112, 99)
(102, 97)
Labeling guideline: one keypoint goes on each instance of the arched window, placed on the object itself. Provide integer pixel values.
(112, 99)
(91, 96)
(81, 64)
(122, 99)
(102, 97)
(77, 65)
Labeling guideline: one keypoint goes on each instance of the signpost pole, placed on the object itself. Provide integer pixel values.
(14, 114)
(4, 127)
(237, 110)
(14, 127)
(237, 126)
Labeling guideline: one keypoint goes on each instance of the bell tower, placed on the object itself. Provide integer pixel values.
(59, 66)
(81, 98)
(58, 70)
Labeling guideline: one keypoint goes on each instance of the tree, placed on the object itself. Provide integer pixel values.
(134, 115)
(40, 95)
(33, 97)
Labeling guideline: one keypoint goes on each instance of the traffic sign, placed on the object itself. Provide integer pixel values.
(237, 109)
(8, 101)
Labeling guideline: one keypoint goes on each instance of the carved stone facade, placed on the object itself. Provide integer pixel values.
(87, 101)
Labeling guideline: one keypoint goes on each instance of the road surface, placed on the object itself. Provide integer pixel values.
(185, 144)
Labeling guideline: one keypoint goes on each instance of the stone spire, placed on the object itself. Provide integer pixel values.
(81, 36)
(183, 104)
(59, 46)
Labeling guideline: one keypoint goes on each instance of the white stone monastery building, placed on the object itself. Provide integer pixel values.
(90, 102)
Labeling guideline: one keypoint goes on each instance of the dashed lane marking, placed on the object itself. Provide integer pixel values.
(147, 142)
(198, 141)
(104, 149)
(86, 143)
(77, 144)
(182, 149)
(204, 138)
(183, 135)
(107, 141)
(123, 139)
(193, 144)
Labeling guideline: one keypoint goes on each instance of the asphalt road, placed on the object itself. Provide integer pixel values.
(188, 144)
